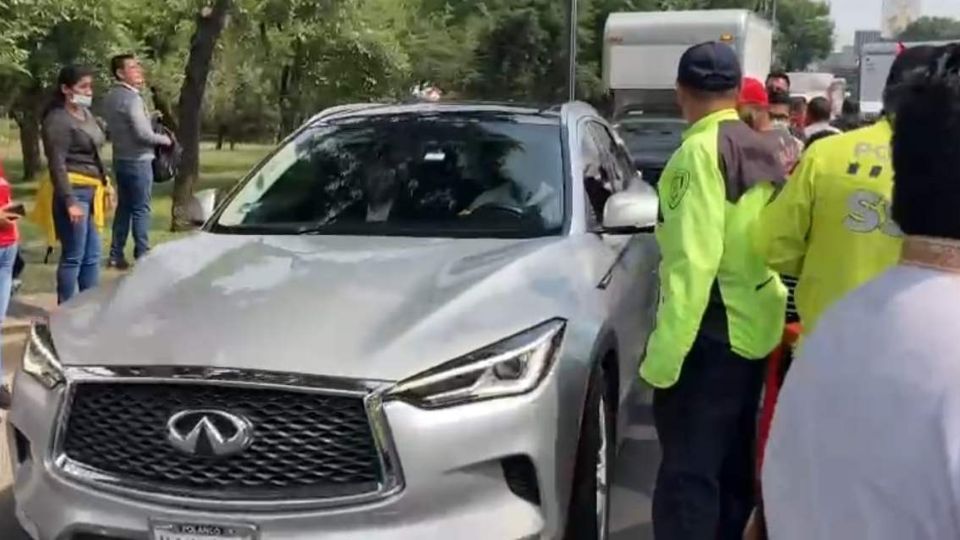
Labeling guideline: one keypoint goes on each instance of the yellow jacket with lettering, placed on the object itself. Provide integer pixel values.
(831, 225)
(712, 282)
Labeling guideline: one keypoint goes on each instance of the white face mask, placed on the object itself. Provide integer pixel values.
(82, 100)
(778, 122)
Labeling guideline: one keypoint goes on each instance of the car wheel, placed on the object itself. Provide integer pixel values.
(589, 514)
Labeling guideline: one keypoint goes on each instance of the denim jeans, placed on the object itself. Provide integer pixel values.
(8, 256)
(80, 247)
(134, 190)
(706, 424)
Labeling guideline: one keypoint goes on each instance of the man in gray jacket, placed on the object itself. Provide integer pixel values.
(134, 143)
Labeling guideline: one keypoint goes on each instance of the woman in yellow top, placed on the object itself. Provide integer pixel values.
(71, 200)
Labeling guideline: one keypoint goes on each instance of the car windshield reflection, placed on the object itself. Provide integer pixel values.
(421, 175)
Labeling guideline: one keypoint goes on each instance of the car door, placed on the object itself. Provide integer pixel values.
(632, 281)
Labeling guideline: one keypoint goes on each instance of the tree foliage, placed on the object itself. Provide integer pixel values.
(932, 29)
(268, 65)
(804, 33)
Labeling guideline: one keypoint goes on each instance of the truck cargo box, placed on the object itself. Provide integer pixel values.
(642, 50)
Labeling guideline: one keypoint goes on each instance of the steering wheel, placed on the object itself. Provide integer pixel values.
(499, 208)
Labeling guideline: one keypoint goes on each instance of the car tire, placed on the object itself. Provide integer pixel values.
(589, 515)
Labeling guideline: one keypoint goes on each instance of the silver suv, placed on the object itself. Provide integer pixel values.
(410, 321)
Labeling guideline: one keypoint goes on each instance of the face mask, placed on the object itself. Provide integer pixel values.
(82, 100)
(781, 122)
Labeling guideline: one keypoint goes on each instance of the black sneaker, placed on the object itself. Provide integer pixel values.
(6, 398)
(118, 264)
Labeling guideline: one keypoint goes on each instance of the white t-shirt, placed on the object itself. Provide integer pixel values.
(813, 129)
(866, 437)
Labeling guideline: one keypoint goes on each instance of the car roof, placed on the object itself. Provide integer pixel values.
(545, 113)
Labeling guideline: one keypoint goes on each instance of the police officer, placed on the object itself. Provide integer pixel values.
(721, 308)
(831, 226)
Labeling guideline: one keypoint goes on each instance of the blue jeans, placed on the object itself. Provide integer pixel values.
(134, 190)
(80, 247)
(8, 256)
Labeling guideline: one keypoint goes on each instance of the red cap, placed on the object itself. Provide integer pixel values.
(752, 92)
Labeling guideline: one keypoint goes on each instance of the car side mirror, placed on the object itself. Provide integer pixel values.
(201, 206)
(633, 211)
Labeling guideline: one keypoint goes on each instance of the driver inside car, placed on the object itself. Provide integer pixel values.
(501, 191)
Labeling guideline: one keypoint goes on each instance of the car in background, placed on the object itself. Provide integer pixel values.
(651, 140)
(409, 321)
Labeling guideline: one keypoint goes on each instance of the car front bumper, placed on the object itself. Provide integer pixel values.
(452, 462)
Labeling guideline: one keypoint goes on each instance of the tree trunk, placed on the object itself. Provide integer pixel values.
(29, 126)
(289, 95)
(210, 23)
(221, 135)
(27, 111)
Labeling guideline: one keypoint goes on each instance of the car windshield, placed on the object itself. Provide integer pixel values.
(648, 136)
(420, 175)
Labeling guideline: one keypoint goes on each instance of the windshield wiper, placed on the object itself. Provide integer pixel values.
(256, 228)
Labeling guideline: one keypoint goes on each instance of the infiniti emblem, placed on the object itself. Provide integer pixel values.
(209, 432)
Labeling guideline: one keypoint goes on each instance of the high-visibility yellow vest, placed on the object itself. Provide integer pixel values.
(831, 225)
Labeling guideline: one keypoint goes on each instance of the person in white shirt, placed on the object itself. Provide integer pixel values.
(865, 442)
(818, 121)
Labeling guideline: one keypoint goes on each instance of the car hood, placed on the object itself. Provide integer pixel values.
(370, 308)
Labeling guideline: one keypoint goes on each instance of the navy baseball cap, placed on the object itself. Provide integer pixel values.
(710, 67)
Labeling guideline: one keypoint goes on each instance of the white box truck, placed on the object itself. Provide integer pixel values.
(876, 59)
(875, 62)
(809, 85)
(642, 51)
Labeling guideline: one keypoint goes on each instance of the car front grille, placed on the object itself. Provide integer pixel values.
(305, 445)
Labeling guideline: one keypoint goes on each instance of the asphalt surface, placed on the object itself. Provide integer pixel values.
(632, 491)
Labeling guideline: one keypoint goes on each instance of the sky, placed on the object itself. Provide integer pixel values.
(852, 15)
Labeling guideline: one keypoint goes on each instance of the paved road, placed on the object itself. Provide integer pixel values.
(635, 472)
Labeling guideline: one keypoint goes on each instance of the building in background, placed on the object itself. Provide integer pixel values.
(863, 37)
(898, 14)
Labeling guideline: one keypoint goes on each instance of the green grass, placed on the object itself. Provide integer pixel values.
(218, 169)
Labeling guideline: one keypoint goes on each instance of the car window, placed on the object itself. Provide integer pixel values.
(437, 175)
(597, 174)
(615, 178)
(626, 172)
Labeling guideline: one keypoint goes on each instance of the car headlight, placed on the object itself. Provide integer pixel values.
(40, 357)
(510, 367)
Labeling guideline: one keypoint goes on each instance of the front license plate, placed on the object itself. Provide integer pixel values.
(161, 530)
